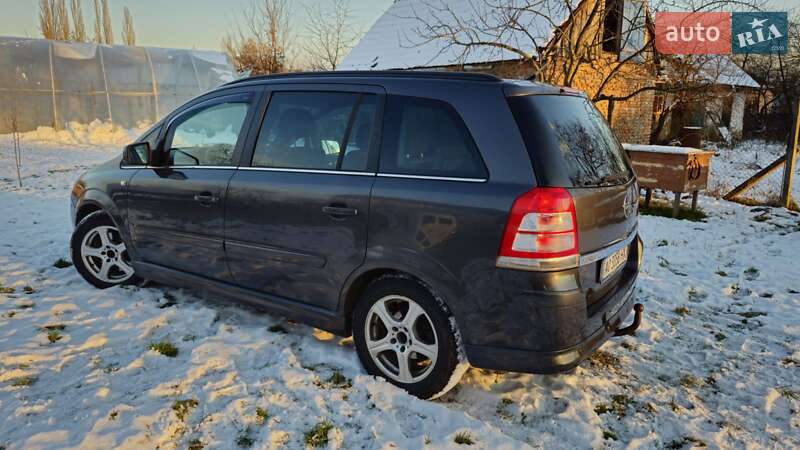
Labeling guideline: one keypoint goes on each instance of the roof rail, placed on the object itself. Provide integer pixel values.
(442, 75)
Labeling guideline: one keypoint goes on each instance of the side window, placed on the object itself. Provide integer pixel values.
(427, 137)
(316, 130)
(208, 137)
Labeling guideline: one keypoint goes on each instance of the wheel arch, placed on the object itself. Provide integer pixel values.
(358, 284)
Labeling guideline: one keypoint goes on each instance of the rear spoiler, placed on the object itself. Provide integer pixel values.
(514, 88)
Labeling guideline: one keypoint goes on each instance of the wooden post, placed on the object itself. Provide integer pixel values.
(676, 204)
(648, 195)
(791, 151)
(694, 200)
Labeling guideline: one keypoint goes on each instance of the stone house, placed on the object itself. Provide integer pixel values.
(614, 33)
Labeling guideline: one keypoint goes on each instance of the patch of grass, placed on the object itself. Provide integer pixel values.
(165, 348)
(601, 408)
(54, 327)
(340, 381)
(751, 314)
(261, 414)
(677, 444)
(719, 337)
(463, 438)
(662, 243)
(604, 359)
(244, 440)
(11, 314)
(788, 393)
(278, 329)
(7, 289)
(195, 444)
(689, 381)
(61, 263)
(318, 435)
(681, 310)
(620, 403)
(54, 336)
(751, 273)
(761, 217)
(24, 381)
(183, 408)
(608, 434)
(113, 415)
(28, 290)
(663, 209)
(721, 273)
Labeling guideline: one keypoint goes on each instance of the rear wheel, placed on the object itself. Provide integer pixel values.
(99, 254)
(402, 334)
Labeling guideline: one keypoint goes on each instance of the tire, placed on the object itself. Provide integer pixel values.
(99, 254)
(426, 342)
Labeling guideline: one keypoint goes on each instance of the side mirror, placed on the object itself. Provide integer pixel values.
(136, 154)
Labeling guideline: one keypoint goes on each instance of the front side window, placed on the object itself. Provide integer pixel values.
(316, 130)
(427, 137)
(208, 137)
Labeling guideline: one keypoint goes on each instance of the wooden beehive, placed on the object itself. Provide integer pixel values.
(676, 169)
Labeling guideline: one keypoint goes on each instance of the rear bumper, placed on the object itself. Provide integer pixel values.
(529, 361)
(548, 322)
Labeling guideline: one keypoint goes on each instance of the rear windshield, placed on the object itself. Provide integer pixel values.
(570, 143)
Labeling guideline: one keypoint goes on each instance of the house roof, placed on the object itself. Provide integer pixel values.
(720, 69)
(396, 40)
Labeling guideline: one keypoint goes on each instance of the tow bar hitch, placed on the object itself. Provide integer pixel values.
(638, 309)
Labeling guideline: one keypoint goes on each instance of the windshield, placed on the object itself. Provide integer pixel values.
(570, 143)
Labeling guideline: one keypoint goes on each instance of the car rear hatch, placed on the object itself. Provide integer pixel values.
(571, 146)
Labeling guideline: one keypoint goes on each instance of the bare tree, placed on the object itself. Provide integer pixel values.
(108, 33)
(54, 20)
(98, 27)
(59, 8)
(13, 123)
(128, 33)
(561, 41)
(261, 46)
(46, 20)
(331, 34)
(78, 26)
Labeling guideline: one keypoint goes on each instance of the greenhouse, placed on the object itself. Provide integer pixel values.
(52, 83)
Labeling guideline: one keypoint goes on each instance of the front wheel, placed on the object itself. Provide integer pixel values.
(402, 334)
(99, 254)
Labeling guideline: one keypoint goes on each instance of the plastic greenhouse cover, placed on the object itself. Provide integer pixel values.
(50, 83)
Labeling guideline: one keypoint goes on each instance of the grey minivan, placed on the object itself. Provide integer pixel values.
(441, 219)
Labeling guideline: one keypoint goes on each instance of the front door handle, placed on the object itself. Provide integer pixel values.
(339, 211)
(206, 198)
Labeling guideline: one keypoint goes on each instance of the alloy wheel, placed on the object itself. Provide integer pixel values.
(401, 339)
(105, 255)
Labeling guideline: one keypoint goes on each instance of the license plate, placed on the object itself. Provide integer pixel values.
(614, 262)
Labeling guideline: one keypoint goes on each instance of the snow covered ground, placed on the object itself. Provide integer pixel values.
(716, 362)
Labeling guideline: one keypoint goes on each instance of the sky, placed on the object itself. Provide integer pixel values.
(199, 24)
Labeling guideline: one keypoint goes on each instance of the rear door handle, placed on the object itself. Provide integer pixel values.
(339, 211)
(206, 198)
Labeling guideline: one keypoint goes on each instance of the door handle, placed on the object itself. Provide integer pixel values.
(206, 198)
(339, 211)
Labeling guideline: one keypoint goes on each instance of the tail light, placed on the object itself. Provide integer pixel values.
(541, 232)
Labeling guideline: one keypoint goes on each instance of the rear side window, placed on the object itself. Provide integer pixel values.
(316, 130)
(569, 142)
(427, 137)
